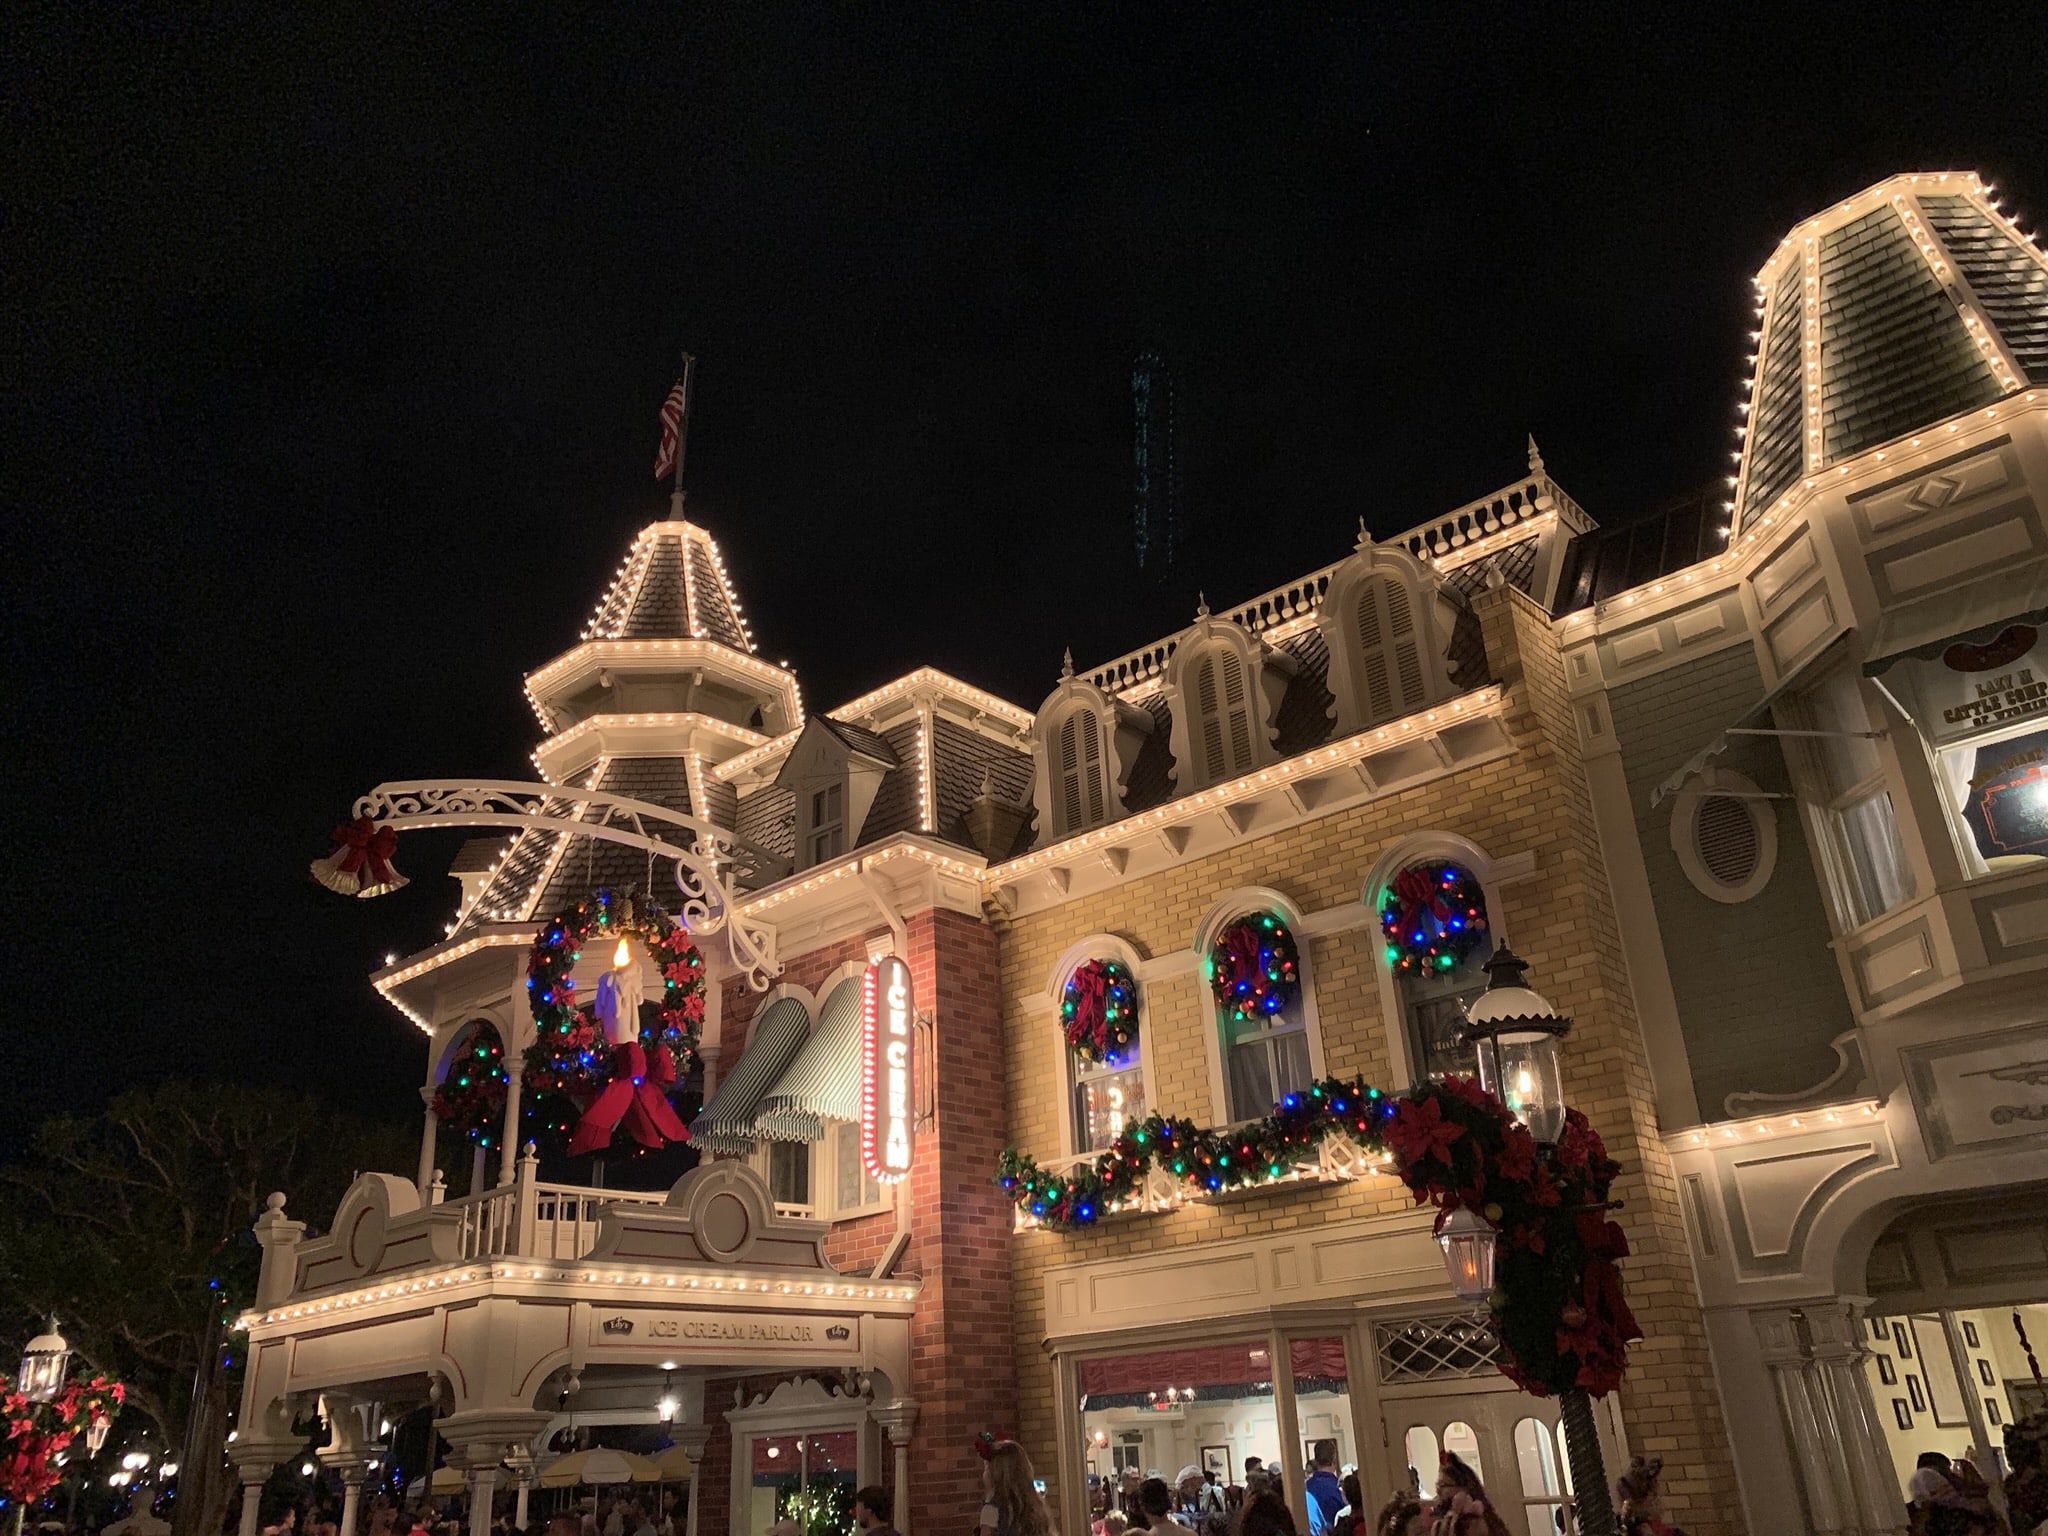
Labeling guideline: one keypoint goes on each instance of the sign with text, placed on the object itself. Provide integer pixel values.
(888, 1099)
(1972, 688)
(720, 1331)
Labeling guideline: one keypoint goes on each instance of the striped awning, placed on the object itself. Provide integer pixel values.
(823, 1083)
(727, 1122)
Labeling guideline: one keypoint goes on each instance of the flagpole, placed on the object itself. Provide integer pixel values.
(682, 438)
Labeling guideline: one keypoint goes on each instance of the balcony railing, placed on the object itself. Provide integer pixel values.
(527, 1219)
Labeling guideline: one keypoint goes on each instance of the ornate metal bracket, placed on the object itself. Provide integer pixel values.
(708, 858)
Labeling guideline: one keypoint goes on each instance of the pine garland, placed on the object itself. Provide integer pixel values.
(1557, 1302)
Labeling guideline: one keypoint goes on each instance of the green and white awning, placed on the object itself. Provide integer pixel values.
(727, 1122)
(823, 1083)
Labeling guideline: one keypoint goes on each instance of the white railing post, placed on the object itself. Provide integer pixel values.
(525, 1202)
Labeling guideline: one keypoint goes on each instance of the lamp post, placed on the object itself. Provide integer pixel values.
(1516, 1035)
(43, 1364)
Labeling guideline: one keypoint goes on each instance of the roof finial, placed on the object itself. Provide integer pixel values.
(1364, 538)
(1067, 664)
(1535, 456)
(1201, 605)
(988, 784)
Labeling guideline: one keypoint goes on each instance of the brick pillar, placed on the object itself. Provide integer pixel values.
(1670, 1401)
(963, 1372)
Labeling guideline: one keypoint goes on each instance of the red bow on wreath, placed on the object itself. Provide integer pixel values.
(1415, 893)
(360, 864)
(637, 1094)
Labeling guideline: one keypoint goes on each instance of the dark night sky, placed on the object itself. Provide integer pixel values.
(335, 341)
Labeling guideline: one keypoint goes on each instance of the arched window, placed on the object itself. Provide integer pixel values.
(1389, 650)
(1099, 1023)
(1223, 716)
(1078, 801)
(1436, 927)
(1255, 974)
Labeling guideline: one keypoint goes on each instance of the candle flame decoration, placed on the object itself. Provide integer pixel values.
(623, 955)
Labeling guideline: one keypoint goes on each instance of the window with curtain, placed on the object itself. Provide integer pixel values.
(1108, 1095)
(1264, 1059)
(1861, 833)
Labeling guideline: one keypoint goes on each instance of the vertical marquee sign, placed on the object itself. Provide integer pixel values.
(888, 1098)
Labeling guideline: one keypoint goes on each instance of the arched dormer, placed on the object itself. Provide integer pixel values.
(1227, 685)
(1387, 622)
(1082, 749)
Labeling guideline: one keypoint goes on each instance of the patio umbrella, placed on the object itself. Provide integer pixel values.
(446, 1480)
(602, 1466)
(672, 1466)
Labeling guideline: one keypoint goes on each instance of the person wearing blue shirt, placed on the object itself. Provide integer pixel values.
(1325, 1493)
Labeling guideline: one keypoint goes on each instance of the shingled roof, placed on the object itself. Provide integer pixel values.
(672, 586)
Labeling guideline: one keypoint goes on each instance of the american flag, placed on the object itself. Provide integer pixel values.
(671, 422)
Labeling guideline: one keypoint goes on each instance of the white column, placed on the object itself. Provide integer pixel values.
(478, 1165)
(1836, 1331)
(693, 1438)
(351, 1500)
(427, 1134)
(518, 1504)
(508, 1148)
(1804, 1418)
(483, 1484)
(899, 1418)
(252, 1499)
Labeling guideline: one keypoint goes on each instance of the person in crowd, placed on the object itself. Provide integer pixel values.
(1192, 1500)
(1351, 1518)
(1155, 1505)
(1114, 1523)
(615, 1520)
(1461, 1507)
(1015, 1507)
(1641, 1500)
(565, 1522)
(1257, 1480)
(639, 1519)
(1930, 1477)
(403, 1522)
(1325, 1493)
(873, 1509)
(1402, 1515)
(1127, 1495)
(1266, 1514)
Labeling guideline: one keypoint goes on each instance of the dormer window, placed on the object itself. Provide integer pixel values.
(1387, 623)
(827, 836)
(1223, 719)
(1078, 799)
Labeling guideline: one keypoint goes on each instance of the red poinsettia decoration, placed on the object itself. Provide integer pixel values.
(37, 1433)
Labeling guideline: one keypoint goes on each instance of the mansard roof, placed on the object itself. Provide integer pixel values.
(1911, 302)
(672, 585)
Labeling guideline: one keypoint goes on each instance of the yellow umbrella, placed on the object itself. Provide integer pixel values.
(601, 1465)
(446, 1480)
(672, 1466)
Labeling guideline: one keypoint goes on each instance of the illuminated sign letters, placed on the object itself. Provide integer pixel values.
(888, 1100)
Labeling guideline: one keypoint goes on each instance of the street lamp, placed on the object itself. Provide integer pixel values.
(43, 1365)
(1516, 1036)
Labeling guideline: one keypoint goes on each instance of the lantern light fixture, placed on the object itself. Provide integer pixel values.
(43, 1364)
(1516, 1034)
(1467, 1240)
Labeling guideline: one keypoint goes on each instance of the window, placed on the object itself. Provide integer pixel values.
(1078, 802)
(1108, 1095)
(1725, 835)
(1435, 1007)
(1390, 651)
(855, 1191)
(1860, 828)
(789, 1175)
(1223, 716)
(828, 824)
(1264, 1059)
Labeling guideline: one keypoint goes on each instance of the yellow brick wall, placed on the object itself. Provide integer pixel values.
(1561, 921)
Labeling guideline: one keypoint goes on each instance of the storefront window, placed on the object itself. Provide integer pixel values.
(1950, 1381)
(806, 1476)
(1208, 1407)
(1546, 1480)
(1998, 790)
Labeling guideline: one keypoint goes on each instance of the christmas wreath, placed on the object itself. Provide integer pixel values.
(583, 1085)
(1557, 1303)
(471, 1098)
(1099, 1010)
(1433, 916)
(1254, 967)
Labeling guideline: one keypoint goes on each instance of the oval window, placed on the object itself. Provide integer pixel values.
(1725, 834)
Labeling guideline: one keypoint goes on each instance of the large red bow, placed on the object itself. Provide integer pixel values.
(636, 1094)
(360, 864)
(1417, 892)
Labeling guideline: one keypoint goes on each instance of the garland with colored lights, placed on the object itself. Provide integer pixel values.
(570, 1062)
(1099, 1010)
(1557, 1305)
(1433, 916)
(1254, 968)
(471, 1098)
(37, 1434)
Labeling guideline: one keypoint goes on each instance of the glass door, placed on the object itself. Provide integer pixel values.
(1510, 1441)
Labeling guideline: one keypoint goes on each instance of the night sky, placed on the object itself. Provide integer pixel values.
(335, 340)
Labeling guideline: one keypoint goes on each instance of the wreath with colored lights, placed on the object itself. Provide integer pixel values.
(471, 1098)
(1433, 916)
(1099, 1010)
(1557, 1305)
(570, 1062)
(1254, 967)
